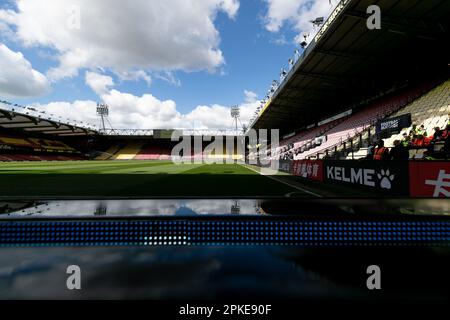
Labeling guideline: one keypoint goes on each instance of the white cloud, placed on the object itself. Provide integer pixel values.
(81, 111)
(17, 76)
(148, 112)
(250, 96)
(134, 40)
(98, 83)
(231, 7)
(123, 35)
(169, 77)
(135, 75)
(295, 13)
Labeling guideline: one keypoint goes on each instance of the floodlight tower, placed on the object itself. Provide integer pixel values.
(304, 43)
(103, 112)
(236, 114)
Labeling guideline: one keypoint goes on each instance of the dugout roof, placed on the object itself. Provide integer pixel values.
(347, 63)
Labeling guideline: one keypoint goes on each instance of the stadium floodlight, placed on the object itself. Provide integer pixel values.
(102, 109)
(103, 112)
(318, 21)
(235, 114)
(304, 43)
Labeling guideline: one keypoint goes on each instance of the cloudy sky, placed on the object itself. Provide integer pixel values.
(157, 64)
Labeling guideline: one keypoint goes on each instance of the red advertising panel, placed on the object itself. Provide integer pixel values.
(309, 169)
(430, 179)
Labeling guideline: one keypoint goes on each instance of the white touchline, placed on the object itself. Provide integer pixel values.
(284, 182)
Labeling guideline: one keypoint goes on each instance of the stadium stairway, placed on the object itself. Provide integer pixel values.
(129, 152)
(108, 154)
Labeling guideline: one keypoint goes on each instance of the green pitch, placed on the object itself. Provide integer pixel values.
(93, 179)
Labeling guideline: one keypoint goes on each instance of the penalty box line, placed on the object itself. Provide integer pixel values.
(284, 182)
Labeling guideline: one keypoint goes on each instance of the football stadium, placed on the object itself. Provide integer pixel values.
(344, 163)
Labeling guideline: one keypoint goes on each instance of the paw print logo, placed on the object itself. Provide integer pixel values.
(386, 179)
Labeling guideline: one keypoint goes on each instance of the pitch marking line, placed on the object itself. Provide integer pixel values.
(284, 182)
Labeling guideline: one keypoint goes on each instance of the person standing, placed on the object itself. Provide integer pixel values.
(399, 152)
(421, 131)
(406, 140)
(370, 151)
(437, 134)
(381, 153)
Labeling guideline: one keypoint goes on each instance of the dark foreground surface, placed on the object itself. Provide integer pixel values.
(233, 273)
(233, 250)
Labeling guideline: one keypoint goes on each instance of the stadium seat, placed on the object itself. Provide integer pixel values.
(153, 152)
(108, 154)
(128, 152)
(432, 110)
(347, 129)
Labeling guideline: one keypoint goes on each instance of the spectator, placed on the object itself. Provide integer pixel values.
(421, 131)
(437, 134)
(370, 150)
(399, 152)
(413, 131)
(381, 153)
(418, 141)
(427, 141)
(406, 140)
(445, 133)
(447, 144)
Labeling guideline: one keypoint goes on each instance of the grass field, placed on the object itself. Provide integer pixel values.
(90, 179)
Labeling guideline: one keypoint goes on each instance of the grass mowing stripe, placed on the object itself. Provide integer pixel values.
(168, 168)
(138, 179)
(79, 167)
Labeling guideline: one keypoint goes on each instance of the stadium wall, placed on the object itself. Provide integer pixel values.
(418, 179)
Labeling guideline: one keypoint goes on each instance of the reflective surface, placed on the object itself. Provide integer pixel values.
(224, 272)
(111, 208)
(318, 248)
(176, 207)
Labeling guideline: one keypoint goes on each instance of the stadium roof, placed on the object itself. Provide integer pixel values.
(11, 119)
(31, 121)
(347, 63)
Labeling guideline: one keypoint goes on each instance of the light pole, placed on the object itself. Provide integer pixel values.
(103, 112)
(235, 114)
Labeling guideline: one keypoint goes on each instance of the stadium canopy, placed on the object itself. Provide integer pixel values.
(347, 63)
(29, 123)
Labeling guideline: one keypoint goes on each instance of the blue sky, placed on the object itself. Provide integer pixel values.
(237, 47)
